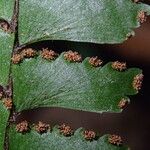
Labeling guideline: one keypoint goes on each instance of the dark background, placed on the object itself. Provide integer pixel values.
(133, 124)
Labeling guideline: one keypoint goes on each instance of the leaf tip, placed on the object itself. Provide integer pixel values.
(130, 35)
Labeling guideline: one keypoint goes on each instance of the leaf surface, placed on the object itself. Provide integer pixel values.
(97, 21)
(4, 115)
(59, 83)
(6, 9)
(6, 40)
(6, 46)
(56, 141)
(39, 83)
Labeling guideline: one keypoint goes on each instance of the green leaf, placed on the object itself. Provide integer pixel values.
(39, 83)
(4, 115)
(6, 41)
(6, 46)
(56, 141)
(97, 21)
(6, 9)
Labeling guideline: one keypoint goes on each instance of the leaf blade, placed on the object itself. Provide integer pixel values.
(55, 141)
(6, 46)
(40, 83)
(4, 115)
(84, 21)
(6, 9)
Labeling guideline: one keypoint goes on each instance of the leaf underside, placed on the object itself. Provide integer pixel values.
(6, 45)
(97, 21)
(59, 83)
(6, 9)
(41, 83)
(4, 115)
(55, 141)
(6, 41)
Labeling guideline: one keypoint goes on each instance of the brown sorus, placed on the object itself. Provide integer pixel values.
(72, 56)
(115, 140)
(65, 130)
(16, 58)
(8, 103)
(137, 81)
(136, 1)
(28, 53)
(142, 16)
(1, 95)
(123, 103)
(5, 26)
(22, 127)
(120, 66)
(94, 61)
(48, 54)
(42, 127)
(89, 135)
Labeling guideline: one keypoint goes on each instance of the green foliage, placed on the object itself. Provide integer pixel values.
(4, 115)
(97, 21)
(6, 9)
(6, 40)
(55, 141)
(59, 83)
(6, 45)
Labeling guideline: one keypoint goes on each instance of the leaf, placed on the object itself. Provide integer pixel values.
(59, 83)
(39, 83)
(4, 115)
(6, 9)
(6, 46)
(97, 21)
(6, 41)
(56, 141)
